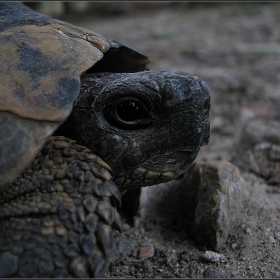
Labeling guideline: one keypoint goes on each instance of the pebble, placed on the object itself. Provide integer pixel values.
(248, 231)
(210, 196)
(146, 252)
(272, 240)
(221, 193)
(214, 257)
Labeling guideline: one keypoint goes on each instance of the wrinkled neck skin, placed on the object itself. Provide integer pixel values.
(148, 126)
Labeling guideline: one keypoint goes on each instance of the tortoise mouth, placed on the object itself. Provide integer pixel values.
(171, 161)
(157, 169)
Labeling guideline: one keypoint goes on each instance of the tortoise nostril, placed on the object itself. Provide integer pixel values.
(206, 105)
(205, 136)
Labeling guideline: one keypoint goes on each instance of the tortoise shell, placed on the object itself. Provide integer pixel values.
(42, 60)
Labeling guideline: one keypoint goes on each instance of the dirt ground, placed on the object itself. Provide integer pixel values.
(235, 48)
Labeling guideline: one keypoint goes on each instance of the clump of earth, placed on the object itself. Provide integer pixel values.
(235, 48)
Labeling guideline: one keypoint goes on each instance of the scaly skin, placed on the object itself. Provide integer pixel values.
(56, 219)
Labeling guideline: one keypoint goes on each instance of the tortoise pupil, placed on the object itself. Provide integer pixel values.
(129, 110)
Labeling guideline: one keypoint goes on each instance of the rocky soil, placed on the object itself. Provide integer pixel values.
(235, 48)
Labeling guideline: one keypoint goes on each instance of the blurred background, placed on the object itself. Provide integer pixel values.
(234, 47)
(183, 31)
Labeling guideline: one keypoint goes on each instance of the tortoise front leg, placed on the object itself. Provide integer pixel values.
(56, 219)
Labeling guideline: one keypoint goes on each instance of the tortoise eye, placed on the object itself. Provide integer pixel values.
(128, 114)
(129, 110)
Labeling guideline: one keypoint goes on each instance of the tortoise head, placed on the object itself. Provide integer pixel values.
(148, 126)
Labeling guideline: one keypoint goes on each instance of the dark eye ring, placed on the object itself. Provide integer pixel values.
(128, 114)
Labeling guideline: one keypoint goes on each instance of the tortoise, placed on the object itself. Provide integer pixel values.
(82, 120)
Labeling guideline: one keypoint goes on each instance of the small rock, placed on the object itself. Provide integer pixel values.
(206, 202)
(146, 252)
(248, 231)
(214, 257)
(272, 240)
(221, 192)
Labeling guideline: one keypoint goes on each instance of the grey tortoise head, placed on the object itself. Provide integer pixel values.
(148, 126)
